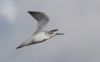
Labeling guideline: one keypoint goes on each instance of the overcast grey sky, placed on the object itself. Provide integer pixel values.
(78, 19)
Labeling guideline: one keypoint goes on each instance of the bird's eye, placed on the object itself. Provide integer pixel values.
(51, 32)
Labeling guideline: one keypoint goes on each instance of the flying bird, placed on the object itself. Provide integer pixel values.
(39, 36)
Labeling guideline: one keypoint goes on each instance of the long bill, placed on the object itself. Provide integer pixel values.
(59, 33)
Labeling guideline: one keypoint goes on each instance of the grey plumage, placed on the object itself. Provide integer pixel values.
(42, 19)
(39, 36)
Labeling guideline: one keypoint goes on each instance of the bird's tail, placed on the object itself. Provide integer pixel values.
(20, 46)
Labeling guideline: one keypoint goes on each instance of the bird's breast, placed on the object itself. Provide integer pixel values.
(40, 36)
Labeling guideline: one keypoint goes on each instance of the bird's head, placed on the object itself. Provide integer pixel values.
(54, 33)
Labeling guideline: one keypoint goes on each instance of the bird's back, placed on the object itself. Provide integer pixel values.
(40, 36)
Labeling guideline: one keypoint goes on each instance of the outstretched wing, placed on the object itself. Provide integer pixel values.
(41, 18)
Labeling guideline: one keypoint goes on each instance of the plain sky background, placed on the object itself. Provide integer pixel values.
(78, 19)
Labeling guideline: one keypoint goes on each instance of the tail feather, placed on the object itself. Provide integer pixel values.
(29, 43)
(20, 46)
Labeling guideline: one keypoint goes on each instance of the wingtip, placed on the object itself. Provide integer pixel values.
(30, 11)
